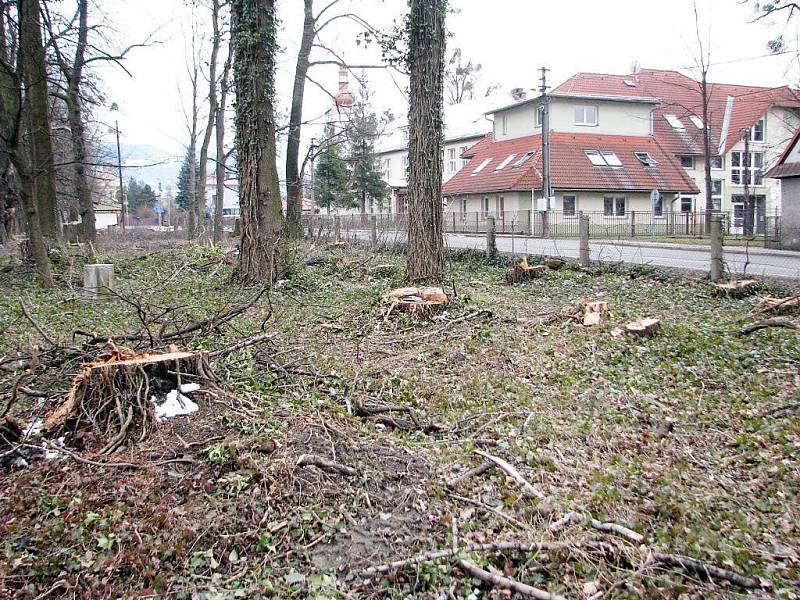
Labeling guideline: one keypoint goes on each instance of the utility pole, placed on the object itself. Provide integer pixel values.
(121, 187)
(545, 119)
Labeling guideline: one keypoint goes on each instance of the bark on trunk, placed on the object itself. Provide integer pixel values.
(212, 112)
(36, 248)
(294, 179)
(425, 259)
(707, 154)
(254, 34)
(41, 147)
(77, 132)
(220, 165)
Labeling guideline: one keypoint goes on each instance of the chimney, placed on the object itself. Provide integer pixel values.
(518, 94)
(344, 99)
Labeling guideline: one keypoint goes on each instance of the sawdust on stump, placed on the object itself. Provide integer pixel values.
(417, 301)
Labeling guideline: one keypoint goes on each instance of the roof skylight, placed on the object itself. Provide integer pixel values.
(595, 158)
(505, 162)
(698, 122)
(525, 158)
(481, 166)
(611, 159)
(675, 122)
(645, 159)
(630, 83)
(603, 158)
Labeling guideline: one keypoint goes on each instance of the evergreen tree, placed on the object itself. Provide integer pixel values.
(367, 180)
(184, 196)
(139, 195)
(332, 177)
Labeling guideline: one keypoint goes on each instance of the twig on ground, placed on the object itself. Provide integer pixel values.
(479, 470)
(710, 571)
(505, 582)
(36, 326)
(765, 324)
(633, 536)
(325, 464)
(512, 472)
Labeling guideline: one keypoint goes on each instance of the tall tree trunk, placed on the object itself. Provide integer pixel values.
(212, 110)
(27, 195)
(294, 183)
(41, 147)
(77, 131)
(254, 31)
(220, 164)
(425, 260)
(707, 152)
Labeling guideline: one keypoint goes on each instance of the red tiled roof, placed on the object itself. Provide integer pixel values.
(570, 167)
(681, 96)
(786, 169)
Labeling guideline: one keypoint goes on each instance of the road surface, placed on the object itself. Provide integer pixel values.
(755, 261)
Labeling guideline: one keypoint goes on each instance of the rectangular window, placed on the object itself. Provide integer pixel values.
(717, 162)
(758, 131)
(614, 206)
(698, 122)
(387, 168)
(463, 206)
(658, 205)
(716, 194)
(504, 121)
(603, 158)
(451, 160)
(537, 116)
(611, 159)
(405, 165)
(500, 204)
(645, 159)
(464, 161)
(484, 207)
(687, 161)
(675, 122)
(569, 205)
(595, 158)
(524, 159)
(686, 204)
(586, 115)
(751, 173)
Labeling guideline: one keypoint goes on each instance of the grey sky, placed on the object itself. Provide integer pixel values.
(510, 38)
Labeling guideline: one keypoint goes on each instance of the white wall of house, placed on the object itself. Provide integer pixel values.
(105, 219)
(612, 117)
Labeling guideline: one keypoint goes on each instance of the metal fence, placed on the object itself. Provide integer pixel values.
(558, 224)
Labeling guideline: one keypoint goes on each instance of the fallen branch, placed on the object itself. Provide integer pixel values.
(512, 472)
(325, 464)
(36, 326)
(434, 555)
(765, 324)
(251, 341)
(505, 583)
(479, 470)
(630, 534)
(710, 571)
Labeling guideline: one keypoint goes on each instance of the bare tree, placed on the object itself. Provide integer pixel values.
(426, 47)
(703, 61)
(254, 43)
(221, 155)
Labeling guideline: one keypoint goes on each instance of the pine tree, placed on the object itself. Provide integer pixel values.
(367, 181)
(139, 195)
(332, 177)
(184, 196)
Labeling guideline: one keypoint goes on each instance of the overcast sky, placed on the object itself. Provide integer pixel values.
(510, 38)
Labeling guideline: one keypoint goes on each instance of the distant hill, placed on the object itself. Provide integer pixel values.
(150, 164)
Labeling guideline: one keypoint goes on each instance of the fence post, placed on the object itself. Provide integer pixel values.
(337, 228)
(633, 223)
(583, 226)
(373, 228)
(716, 248)
(491, 245)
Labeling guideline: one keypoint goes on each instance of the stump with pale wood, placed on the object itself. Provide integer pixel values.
(736, 288)
(524, 272)
(643, 327)
(417, 301)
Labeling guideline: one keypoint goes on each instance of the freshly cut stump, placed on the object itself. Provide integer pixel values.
(111, 395)
(524, 272)
(643, 327)
(736, 288)
(420, 302)
(593, 313)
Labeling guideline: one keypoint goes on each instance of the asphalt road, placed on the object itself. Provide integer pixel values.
(755, 261)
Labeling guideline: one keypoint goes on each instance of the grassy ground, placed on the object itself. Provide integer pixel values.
(689, 438)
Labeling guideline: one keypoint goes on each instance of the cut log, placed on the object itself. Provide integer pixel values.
(736, 288)
(643, 327)
(779, 306)
(554, 263)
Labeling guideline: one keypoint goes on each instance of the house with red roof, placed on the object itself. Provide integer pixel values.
(787, 171)
(604, 159)
(767, 116)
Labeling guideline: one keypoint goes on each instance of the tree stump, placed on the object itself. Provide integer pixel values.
(98, 279)
(420, 302)
(643, 327)
(736, 288)
(523, 272)
(554, 263)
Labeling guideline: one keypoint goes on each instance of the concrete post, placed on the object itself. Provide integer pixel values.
(373, 229)
(337, 228)
(583, 226)
(98, 279)
(491, 242)
(717, 263)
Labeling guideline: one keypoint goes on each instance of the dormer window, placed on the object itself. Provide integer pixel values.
(481, 166)
(505, 162)
(645, 159)
(698, 122)
(586, 115)
(525, 158)
(603, 158)
(675, 122)
(630, 83)
(757, 132)
(504, 123)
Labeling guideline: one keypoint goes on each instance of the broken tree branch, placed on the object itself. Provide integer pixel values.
(325, 464)
(505, 582)
(512, 472)
(752, 328)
